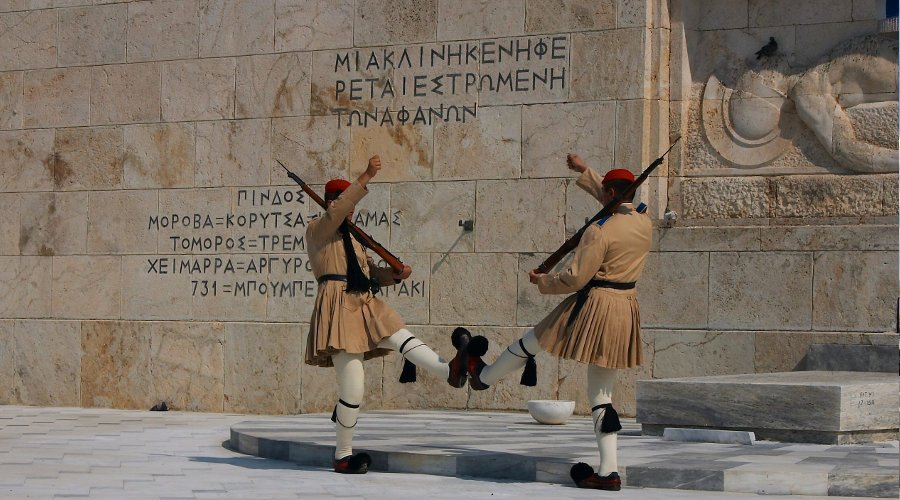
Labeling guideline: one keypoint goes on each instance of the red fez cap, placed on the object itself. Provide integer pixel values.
(335, 186)
(618, 174)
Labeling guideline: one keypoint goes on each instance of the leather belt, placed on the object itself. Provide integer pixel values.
(583, 295)
(332, 277)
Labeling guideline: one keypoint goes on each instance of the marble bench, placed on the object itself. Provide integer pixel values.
(828, 407)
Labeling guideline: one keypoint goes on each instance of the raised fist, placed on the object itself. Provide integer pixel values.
(575, 163)
(374, 166)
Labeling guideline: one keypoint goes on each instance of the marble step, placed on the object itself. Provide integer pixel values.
(852, 358)
(805, 407)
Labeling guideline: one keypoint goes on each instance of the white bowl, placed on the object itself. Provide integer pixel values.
(551, 411)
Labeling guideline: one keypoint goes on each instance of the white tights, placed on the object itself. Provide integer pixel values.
(350, 377)
(599, 391)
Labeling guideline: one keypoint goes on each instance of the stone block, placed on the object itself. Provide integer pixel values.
(25, 287)
(198, 89)
(573, 381)
(385, 22)
(273, 85)
(127, 93)
(53, 223)
(187, 365)
(508, 393)
(318, 140)
(12, 89)
(153, 288)
(9, 224)
(460, 148)
(890, 200)
(236, 27)
(57, 98)
(313, 25)
(177, 209)
(338, 85)
(813, 406)
(531, 305)
(159, 155)
(666, 305)
(432, 226)
(855, 291)
(89, 158)
(234, 153)
(294, 294)
(7, 363)
(92, 35)
(410, 297)
(119, 222)
(787, 351)
(231, 297)
(623, 74)
(48, 362)
(852, 358)
(87, 287)
(775, 13)
(697, 353)
(815, 41)
(728, 198)
(715, 239)
(456, 298)
(743, 293)
(115, 365)
(868, 9)
(829, 238)
(429, 391)
(633, 13)
(586, 129)
(631, 147)
(519, 216)
(708, 436)
(721, 15)
(832, 196)
(406, 151)
(163, 29)
(28, 40)
(526, 77)
(28, 160)
(467, 19)
(569, 15)
(262, 368)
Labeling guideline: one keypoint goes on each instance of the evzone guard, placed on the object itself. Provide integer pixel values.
(349, 324)
(599, 324)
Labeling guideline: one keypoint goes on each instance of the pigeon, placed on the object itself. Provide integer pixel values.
(768, 49)
(160, 407)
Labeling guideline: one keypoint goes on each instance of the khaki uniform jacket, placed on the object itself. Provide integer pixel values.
(341, 321)
(606, 332)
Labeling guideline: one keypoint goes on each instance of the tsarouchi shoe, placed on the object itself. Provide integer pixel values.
(353, 464)
(460, 339)
(585, 477)
(477, 348)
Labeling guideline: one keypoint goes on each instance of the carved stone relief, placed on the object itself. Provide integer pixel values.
(848, 103)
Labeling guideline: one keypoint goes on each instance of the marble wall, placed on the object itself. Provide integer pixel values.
(151, 249)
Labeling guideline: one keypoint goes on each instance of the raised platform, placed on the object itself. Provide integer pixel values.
(810, 406)
(512, 446)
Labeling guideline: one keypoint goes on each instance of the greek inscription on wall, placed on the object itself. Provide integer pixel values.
(446, 78)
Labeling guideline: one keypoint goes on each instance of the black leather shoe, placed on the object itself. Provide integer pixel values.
(353, 464)
(585, 477)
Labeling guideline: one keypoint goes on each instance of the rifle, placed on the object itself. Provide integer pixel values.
(357, 233)
(608, 209)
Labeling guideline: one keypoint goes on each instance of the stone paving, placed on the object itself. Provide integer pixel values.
(121, 454)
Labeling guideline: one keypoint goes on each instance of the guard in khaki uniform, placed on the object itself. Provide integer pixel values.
(599, 324)
(349, 324)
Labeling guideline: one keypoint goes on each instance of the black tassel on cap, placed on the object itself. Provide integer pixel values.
(408, 375)
(529, 375)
